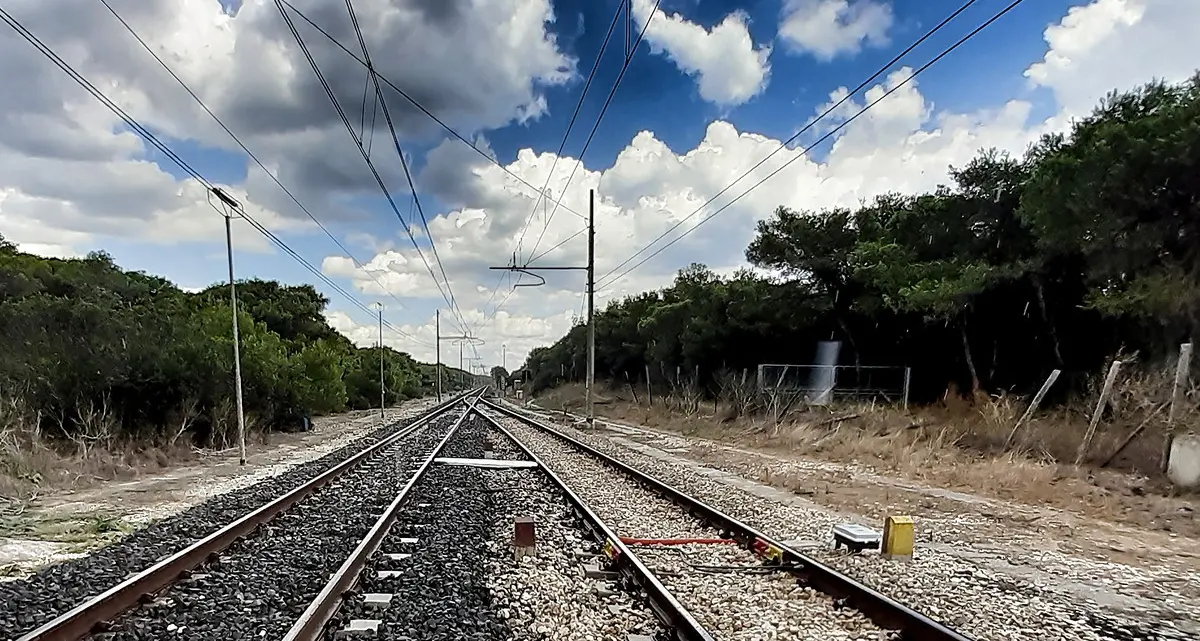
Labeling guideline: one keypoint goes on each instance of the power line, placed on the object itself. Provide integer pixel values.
(609, 281)
(553, 165)
(600, 117)
(236, 139)
(387, 115)
(45, 50)
(603, 110)
(416, 104)
(362, 151)
(566, 134)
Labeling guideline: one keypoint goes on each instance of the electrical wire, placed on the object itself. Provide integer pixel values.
(609, 281)
(149, 136)
(570, 125)
(553, 165)
(387, 115)
(802, 131)
(418, 105)
(236, 139)
(599, 118)
(362, 151)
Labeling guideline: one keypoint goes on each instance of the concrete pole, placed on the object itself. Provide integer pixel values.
(237, 354)
(591, 294)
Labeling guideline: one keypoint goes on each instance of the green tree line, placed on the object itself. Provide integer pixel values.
(92, 351)
(1085, 246)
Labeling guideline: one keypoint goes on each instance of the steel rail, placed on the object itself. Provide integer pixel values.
(884, 611)
(669, 610)
(80, 621)
(311, 624)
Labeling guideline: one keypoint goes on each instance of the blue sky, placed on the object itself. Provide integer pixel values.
(655, 96)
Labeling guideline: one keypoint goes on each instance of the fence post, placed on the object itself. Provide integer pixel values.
(1091, 432)
(1181, 377)
(649, 389)
(1033, 405)
(907, 380)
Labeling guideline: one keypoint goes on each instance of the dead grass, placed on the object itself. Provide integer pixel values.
(31, 463)
(957, 445)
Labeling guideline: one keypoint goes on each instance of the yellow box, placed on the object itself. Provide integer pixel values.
(897, 537)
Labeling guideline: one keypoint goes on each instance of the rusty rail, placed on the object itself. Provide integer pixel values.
(666, 607)
(80, 621)
(311, 624)
(884, 611)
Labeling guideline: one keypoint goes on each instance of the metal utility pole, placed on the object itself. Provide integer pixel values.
(232, 206)
(437, 328)
(473, 365)
(382, 389)
(590, 268)
(460, 339)
(591, 297)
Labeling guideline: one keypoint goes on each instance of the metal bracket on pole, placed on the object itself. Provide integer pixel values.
(590, 268)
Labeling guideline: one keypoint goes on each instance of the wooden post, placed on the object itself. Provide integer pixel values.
(1091, 432)
(1033, 405)
(632, 389)
(1182, 369)
(1132, 435)
(1181, 377)
(649, 389)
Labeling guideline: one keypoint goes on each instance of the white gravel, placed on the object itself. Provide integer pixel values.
(960, 587)
(547, 596)
(734, 600)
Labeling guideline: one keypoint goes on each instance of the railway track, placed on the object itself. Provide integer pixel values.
(414, 538)
(734, 581)
(108, 613)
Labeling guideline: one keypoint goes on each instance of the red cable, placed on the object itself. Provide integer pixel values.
(633, 541)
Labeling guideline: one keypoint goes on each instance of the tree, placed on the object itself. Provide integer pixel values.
(1087, 244)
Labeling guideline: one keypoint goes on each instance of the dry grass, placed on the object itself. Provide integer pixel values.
(31, 463)
(957, 445)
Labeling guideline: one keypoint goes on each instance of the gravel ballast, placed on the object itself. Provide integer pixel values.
(32, 601)
(258, 587)
(722, 585)
(462, 580)
(970, 597)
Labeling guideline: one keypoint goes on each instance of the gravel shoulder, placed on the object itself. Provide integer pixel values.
(65, 525)
(991, 569)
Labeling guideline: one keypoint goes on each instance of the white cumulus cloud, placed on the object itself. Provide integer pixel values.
(728, 67)
(830, 28)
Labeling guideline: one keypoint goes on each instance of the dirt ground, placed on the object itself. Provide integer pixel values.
(1094, 523)
(63, 524)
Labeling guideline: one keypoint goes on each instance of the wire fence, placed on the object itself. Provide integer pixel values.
(823, 384)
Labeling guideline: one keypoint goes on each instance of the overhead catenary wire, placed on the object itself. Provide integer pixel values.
(387, 115)
(149, 136)
(558, 155)
(608, 101)
(250, 154)
(628, 58)
(570, 125)
(607, 281)
(370, 164)
(418, 105)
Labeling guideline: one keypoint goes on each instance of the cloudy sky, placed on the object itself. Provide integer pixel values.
(714, 88)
